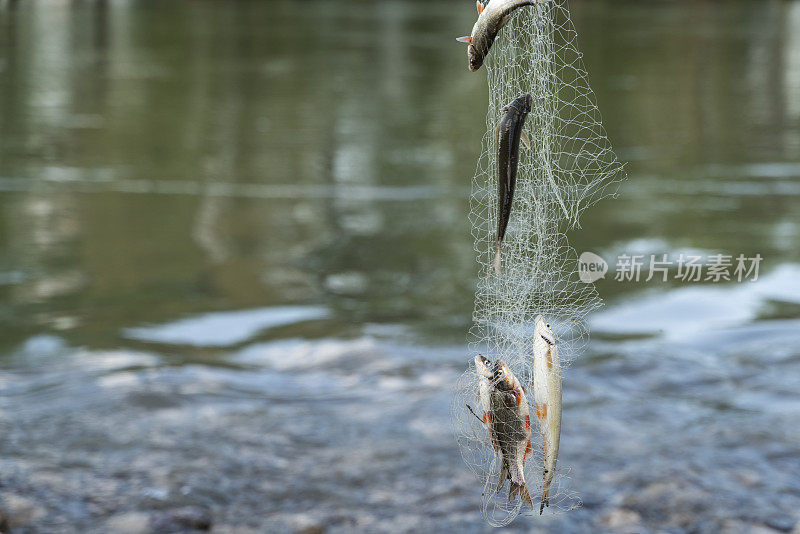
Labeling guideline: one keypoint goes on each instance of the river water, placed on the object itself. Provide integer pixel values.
(236, 270)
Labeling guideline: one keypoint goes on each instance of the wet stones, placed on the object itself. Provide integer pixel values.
(129, 523)
(181, 520)
(18, 511)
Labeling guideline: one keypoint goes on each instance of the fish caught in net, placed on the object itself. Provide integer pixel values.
(569, 166)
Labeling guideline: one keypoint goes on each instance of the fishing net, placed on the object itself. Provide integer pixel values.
(569, 167)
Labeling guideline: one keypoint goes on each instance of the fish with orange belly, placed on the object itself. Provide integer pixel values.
(547, 399)
(507, 418)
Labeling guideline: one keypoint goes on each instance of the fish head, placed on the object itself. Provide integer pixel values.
(474, 57)
(542, 331)
(483, 366)
(527, 102)
(523, 104)
(503, 378)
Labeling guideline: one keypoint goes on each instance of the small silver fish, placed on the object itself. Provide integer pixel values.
(507, 418)
(491, 20)
(547, 398)
(509, 133)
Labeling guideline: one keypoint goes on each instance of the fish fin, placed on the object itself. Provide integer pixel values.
(466, 39)
(525, 140)
(496, 264)
(528, 446)
(497, 133)
(479, 6)
(545, 497)
(503, 476)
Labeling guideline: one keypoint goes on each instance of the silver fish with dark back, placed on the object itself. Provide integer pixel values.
(509, 133)
(491, 20)
(547, 397)
(506, 416)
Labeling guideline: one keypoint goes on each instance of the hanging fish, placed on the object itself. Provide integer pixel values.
(491, 20)
(547, 398)
(509, 132)
(507, 418)
(484, 368)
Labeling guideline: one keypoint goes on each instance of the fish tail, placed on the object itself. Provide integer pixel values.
(522, 491)
(496, 264)
(518, 486)
(545, 496)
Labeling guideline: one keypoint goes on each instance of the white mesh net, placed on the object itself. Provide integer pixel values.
(570, 166)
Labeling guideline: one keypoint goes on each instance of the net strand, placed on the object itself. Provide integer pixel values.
(570, 166)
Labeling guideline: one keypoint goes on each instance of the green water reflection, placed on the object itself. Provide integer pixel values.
(159, 160)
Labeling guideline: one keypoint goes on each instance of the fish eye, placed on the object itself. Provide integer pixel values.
(548, 325)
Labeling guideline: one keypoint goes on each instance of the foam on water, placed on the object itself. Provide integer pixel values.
(686, 311)
(222, 329)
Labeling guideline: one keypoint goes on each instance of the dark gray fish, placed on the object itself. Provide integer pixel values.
(491, 20)
(509, 133)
